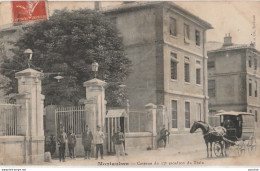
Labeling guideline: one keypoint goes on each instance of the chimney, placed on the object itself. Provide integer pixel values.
(227, 40)
(97, 5)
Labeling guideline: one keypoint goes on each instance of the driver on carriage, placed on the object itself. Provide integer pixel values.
(163, 135)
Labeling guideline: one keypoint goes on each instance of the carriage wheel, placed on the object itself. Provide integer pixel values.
(241, 148)
(217, 149)
(251, 145)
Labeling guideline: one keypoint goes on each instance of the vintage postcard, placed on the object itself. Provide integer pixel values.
(130, 83)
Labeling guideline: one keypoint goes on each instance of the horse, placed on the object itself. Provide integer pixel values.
(211, 134)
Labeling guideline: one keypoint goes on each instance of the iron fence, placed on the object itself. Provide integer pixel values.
(8, 119)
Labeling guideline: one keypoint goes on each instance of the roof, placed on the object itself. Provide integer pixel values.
(116, 113)
(234, 47)
(234, 113)
(145, 4)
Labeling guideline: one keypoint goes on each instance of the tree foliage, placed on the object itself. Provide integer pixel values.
(68, 43)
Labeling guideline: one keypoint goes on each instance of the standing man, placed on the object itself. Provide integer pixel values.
(62, 144)
(72, 143)
(163, 136)
(87, 138)
(53, 144)
(119, 138)
(99, 140)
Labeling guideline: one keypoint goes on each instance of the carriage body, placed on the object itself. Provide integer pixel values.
(240, 128)
(239, 125)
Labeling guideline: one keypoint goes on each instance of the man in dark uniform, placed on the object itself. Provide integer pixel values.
(72, 143)
(87, 138)
(53, 145)
(118, 138)
(163, 136)
(62, 144)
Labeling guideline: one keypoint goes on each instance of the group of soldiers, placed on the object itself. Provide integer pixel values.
(87, 140)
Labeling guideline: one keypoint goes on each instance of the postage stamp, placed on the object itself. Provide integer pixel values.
(24, 11)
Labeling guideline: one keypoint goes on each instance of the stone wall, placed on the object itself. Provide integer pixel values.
(138, 141)
(12, 150)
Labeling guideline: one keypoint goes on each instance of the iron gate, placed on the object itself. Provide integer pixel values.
(73, 117)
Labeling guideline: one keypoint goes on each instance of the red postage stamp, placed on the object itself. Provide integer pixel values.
(24, 11)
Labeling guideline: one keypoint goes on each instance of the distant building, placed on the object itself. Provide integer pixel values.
(166, 46)
(234, 78)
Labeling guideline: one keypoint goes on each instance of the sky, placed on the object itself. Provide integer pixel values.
(234, 17)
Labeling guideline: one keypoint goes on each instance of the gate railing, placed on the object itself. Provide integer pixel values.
(73, 117)
(8, 119)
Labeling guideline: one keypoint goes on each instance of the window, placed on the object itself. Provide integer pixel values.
(249, 61)
(187, 114)
(173, 27)
(197, 37)
(255, 88)
(174, 114)
(186, 70)
(186, 33)
(255, 63)
(174, 64)
(198, 80)
(199, 116)
(211, 64)
(256, 115)
(212, 88)
(250, 87)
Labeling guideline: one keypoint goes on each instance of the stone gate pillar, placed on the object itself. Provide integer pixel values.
(30, 120)
(151, 122)
(95, 103)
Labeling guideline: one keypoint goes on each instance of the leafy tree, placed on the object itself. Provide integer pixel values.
(69, 42)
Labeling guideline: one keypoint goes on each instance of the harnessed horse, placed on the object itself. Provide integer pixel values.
(211, 134)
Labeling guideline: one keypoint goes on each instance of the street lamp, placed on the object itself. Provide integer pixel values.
(95, 68)
(29, 51)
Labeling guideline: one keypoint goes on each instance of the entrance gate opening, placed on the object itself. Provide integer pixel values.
(114, 119)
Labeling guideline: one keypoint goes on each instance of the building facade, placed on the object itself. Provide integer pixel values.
(234, 78)
(166, 46)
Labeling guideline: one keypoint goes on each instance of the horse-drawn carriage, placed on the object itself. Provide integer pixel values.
(240, 133)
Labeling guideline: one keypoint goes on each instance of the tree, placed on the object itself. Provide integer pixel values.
(69, 42)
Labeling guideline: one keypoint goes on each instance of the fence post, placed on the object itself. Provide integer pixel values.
(127, 112)
(151, 109)
(31, 100)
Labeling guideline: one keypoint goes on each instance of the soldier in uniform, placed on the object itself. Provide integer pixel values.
(72, 143)
(87, 138)
(163, 135)
(62, 144)
(119, 138)
(99, 137)
(53, 145)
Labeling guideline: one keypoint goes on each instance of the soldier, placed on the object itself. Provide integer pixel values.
(53, 145)
(87, 138)
(163, 135)
(119, 138)
(72, 143)
(99, 140)
(62, 144)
